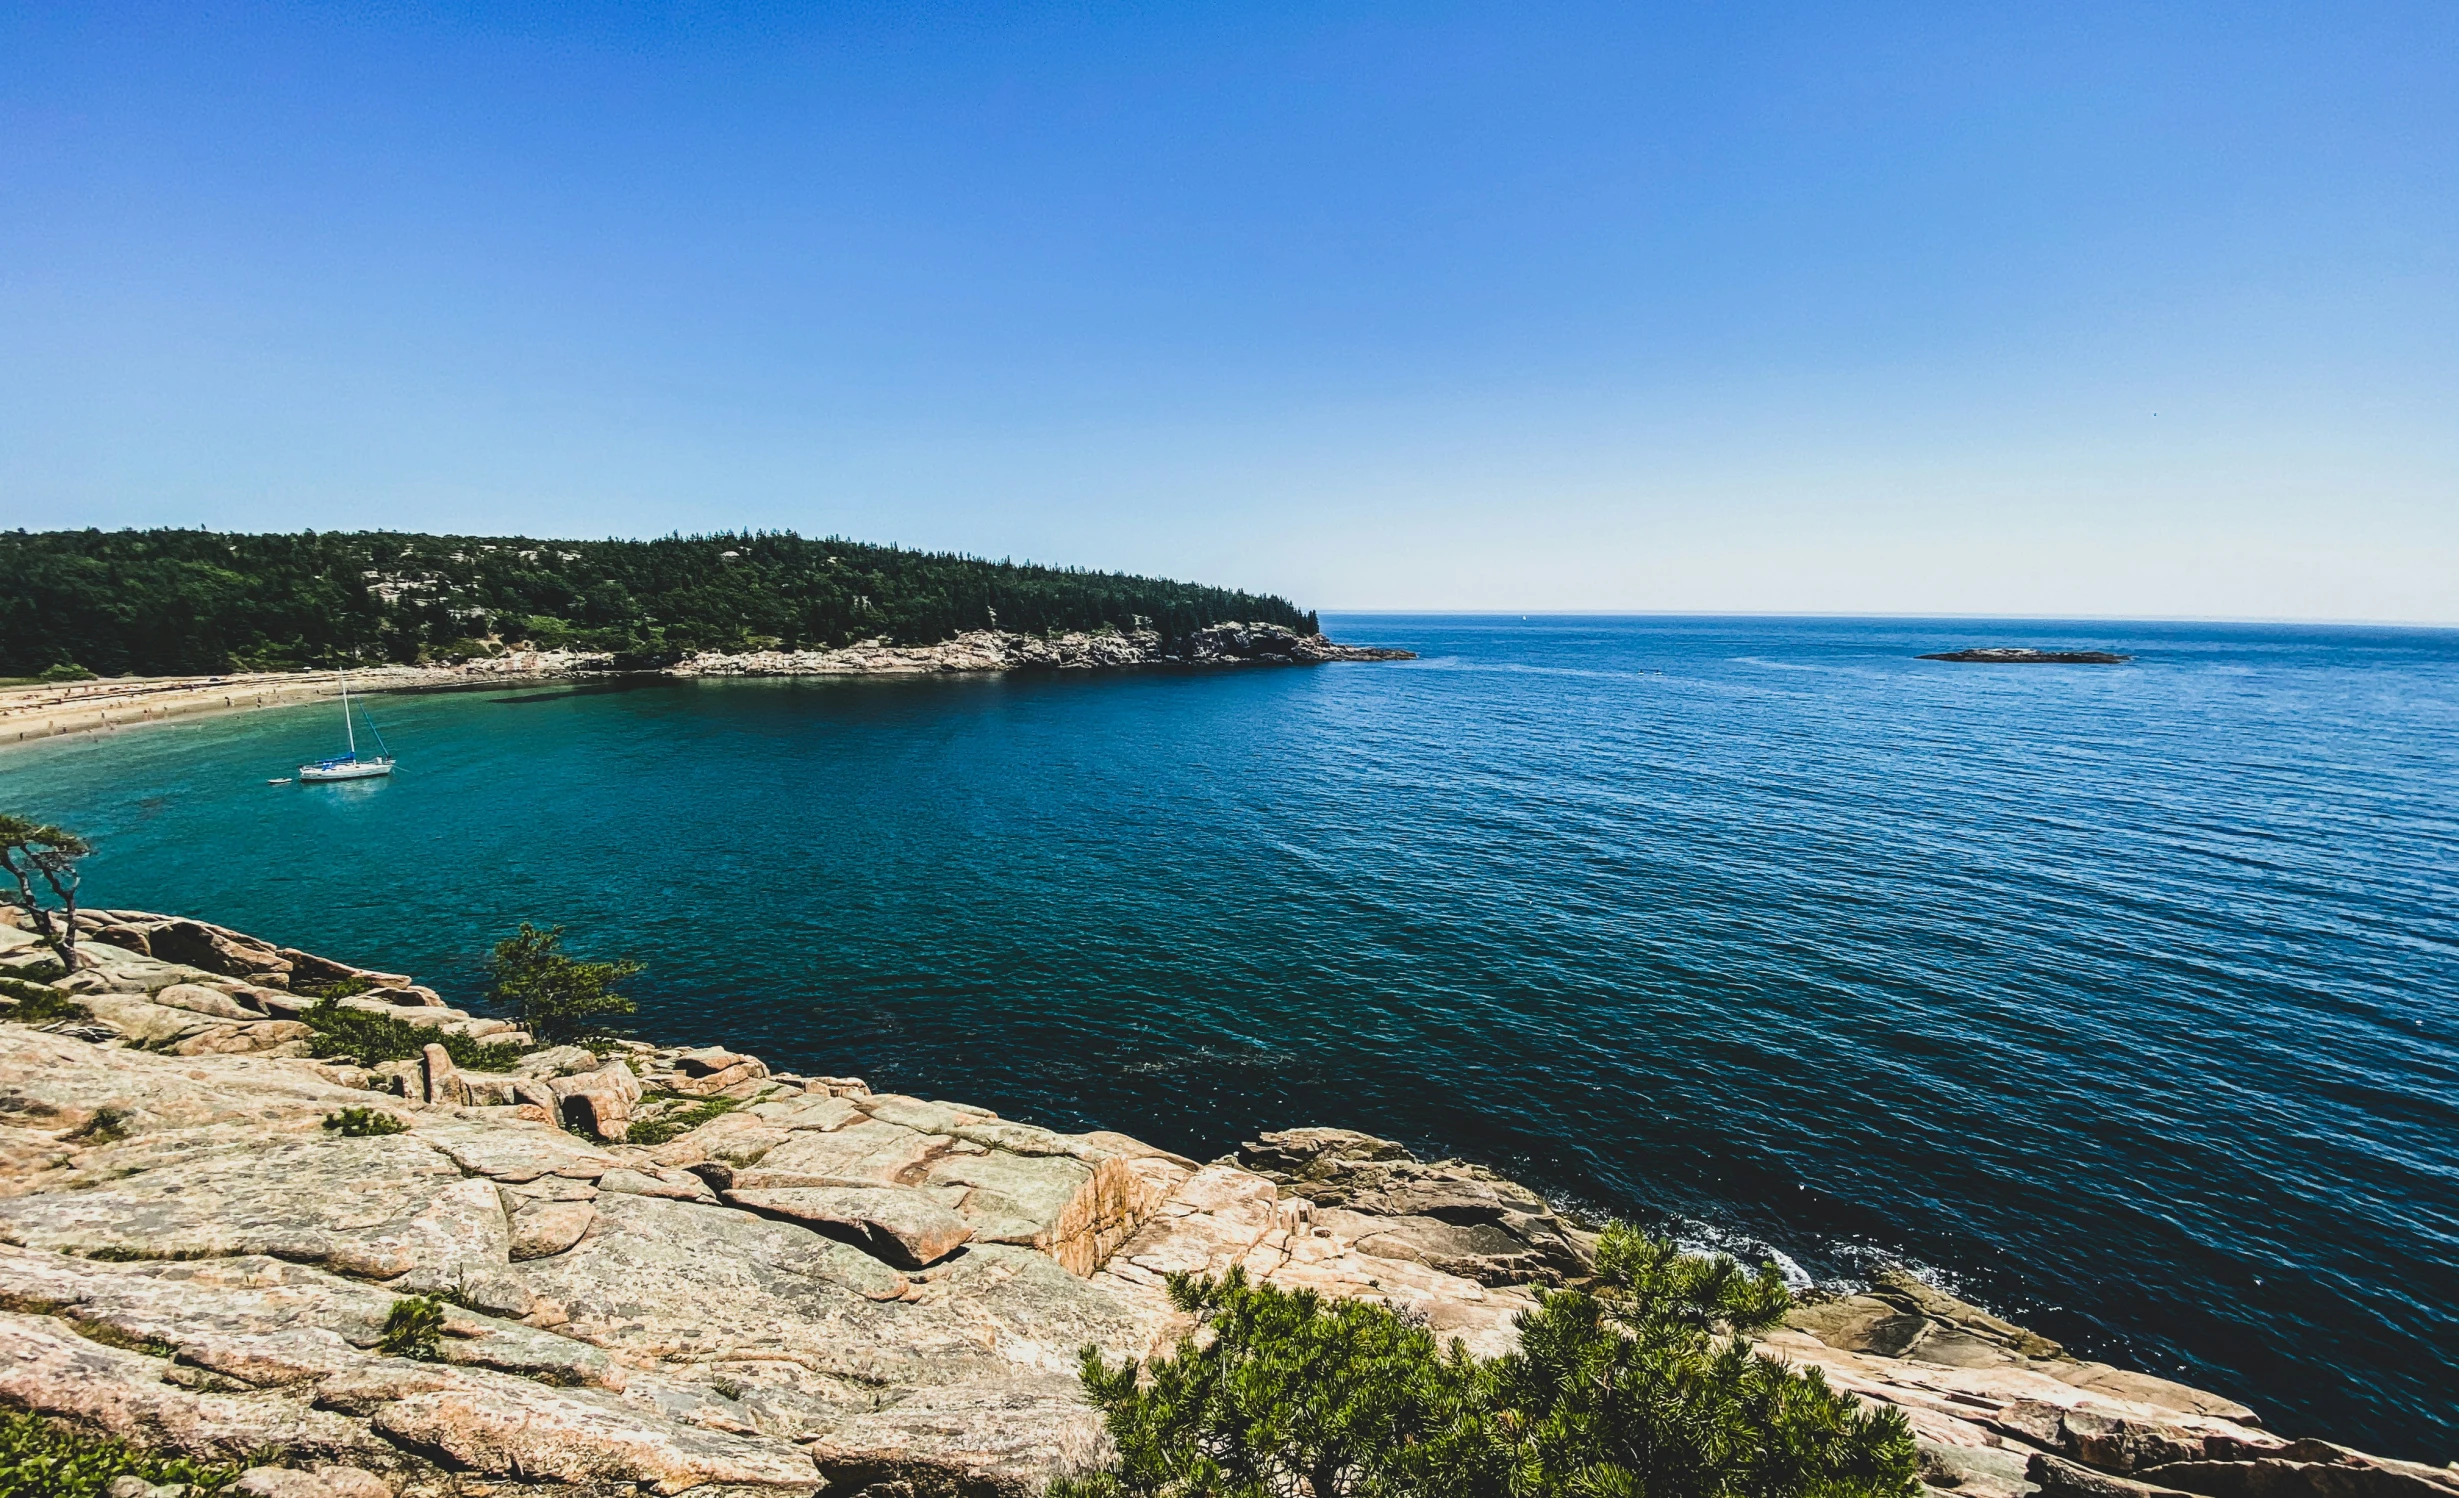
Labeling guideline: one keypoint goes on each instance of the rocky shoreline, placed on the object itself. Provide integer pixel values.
(672, 1269)
(2024, 655)
(109, 705)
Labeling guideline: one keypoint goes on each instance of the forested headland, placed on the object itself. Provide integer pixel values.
(177, 602)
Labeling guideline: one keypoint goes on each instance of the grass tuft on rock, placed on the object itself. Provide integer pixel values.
(112, 1336)
(107, 1126)
(371, 1039)
(41, 1458)
(39, 1003)
(364, 1123)
(339, 988)
(414, 1330)
(681, 1117)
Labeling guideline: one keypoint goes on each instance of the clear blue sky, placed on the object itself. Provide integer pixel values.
(2133, 309)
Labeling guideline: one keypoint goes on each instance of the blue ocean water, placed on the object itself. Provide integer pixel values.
(2125, 1000)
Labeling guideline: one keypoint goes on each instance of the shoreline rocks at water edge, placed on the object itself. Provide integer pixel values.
(677, 1269)
(46, 711)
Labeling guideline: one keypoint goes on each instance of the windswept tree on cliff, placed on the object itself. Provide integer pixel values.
(553, 995)
(32, 851)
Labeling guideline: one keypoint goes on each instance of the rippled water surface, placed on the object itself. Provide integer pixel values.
(2126, 998)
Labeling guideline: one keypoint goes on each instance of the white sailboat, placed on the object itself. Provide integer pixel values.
(349, 766)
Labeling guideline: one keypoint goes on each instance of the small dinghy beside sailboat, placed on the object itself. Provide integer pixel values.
(349, 766)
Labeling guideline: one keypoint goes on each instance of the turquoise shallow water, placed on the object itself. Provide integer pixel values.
(2124, 999)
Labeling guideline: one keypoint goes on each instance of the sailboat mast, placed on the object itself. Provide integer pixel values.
(347, 732)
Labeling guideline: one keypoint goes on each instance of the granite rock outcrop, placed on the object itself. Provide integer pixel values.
(1004, 650)
(674, 1269)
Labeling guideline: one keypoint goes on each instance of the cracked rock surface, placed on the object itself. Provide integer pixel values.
(822, 1288)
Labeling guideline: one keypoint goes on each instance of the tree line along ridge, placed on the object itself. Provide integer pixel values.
(178, 602)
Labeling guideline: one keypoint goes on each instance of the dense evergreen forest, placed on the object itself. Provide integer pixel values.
(168, 602)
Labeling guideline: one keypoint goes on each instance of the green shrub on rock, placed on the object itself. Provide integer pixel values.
(370, 1039)
(1641, 1386)
(364, 1123)
(1644, 1385)
(42, 1458)
(415, 1329)
(1294, 1394)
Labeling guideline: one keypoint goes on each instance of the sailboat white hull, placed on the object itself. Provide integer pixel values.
(356, 769)
(349, 766)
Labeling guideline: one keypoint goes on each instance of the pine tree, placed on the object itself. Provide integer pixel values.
(1643, 1385)
(554, 996)
(37, 850)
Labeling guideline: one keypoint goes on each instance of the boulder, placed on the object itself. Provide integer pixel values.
(2064, 1479)
(739, 1140)
(712, 1070)
(557, 1061)
(2110, 1440)
(1899, 1288)
(1452, 1216)
(808, 1111)
(710, 1060)
(540, 1229)
(1077, 1213)
(513, 1155)
(677, 1185)
(498, 1090)
(425, 1018)
(716, 1082)
(195, 944)
(127, 938)
(244, 1039)
(310, 971)
(1859, 1323)
(599, 1101)
(895, 1224)
(1293, 1156)
(201, 1000)
(871, 1153)
(439, 1080)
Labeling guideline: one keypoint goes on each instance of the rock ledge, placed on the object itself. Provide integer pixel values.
(818, 1287)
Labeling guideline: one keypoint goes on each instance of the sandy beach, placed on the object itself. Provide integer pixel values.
(112, 704)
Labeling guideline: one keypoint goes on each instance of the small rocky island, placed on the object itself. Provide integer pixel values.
(2015, 655)
(673, 1269)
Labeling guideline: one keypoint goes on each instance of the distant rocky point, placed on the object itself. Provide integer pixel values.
(50, 708)
(1005, 650)
(2011, 655)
